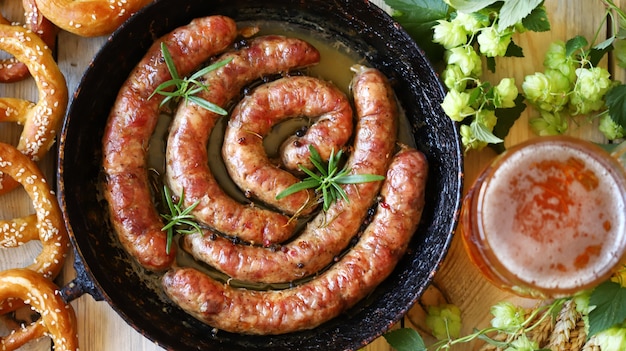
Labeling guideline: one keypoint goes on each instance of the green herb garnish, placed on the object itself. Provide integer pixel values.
(187, 88)
(329, 179)
(179, 220)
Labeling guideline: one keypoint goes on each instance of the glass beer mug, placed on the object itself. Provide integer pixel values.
(547, 218)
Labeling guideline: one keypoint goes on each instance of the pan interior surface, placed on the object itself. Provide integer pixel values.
(135, 294)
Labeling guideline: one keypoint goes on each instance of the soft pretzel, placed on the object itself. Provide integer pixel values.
(57, 320)
(47, 220)
(20, 333)
(89, 18)
(12, 70)
(41, 120)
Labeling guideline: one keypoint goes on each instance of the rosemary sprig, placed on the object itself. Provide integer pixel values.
(179, 220)
(329, 178)
(187, 88)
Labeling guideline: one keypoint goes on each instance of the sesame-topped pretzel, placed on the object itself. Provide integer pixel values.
(41, 120)
(58, 319)
(49, 221)
(89, 18)
(12, 70)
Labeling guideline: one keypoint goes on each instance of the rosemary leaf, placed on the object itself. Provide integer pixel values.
(207, 105)
(169, 62)
(358, 178)
(327, 179)
(179, 220)
(187, 88)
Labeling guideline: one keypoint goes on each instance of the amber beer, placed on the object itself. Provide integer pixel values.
(547, 217)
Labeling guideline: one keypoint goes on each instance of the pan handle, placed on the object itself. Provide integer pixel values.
(80, 285)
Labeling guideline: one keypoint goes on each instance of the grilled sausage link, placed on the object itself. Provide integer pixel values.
(308, 305)
(131, 123)
(252, 120)
(330, 231)
(187, 159)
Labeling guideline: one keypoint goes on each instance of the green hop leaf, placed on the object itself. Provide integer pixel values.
(418, 17)
(609, 299)
(616, 102)
(514, 11)
(482, 133)
(514, 50)
(537, 21)
(597, 52)
(405, 339)
(576, 43)
(506, 120)
(605, 44)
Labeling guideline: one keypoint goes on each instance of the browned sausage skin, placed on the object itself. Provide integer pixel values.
(330, 132)
(130, 126)
(330, 231)
(186, 155)
(321, 102)
(308, 305)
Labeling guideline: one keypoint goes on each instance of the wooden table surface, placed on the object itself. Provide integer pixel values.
(99, 326)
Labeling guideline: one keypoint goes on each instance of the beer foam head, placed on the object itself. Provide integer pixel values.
(553, 214)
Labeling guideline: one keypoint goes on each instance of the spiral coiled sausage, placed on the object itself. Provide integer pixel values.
(321, 102)
(330, 231)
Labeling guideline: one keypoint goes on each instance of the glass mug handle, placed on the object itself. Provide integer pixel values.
(547, 217)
